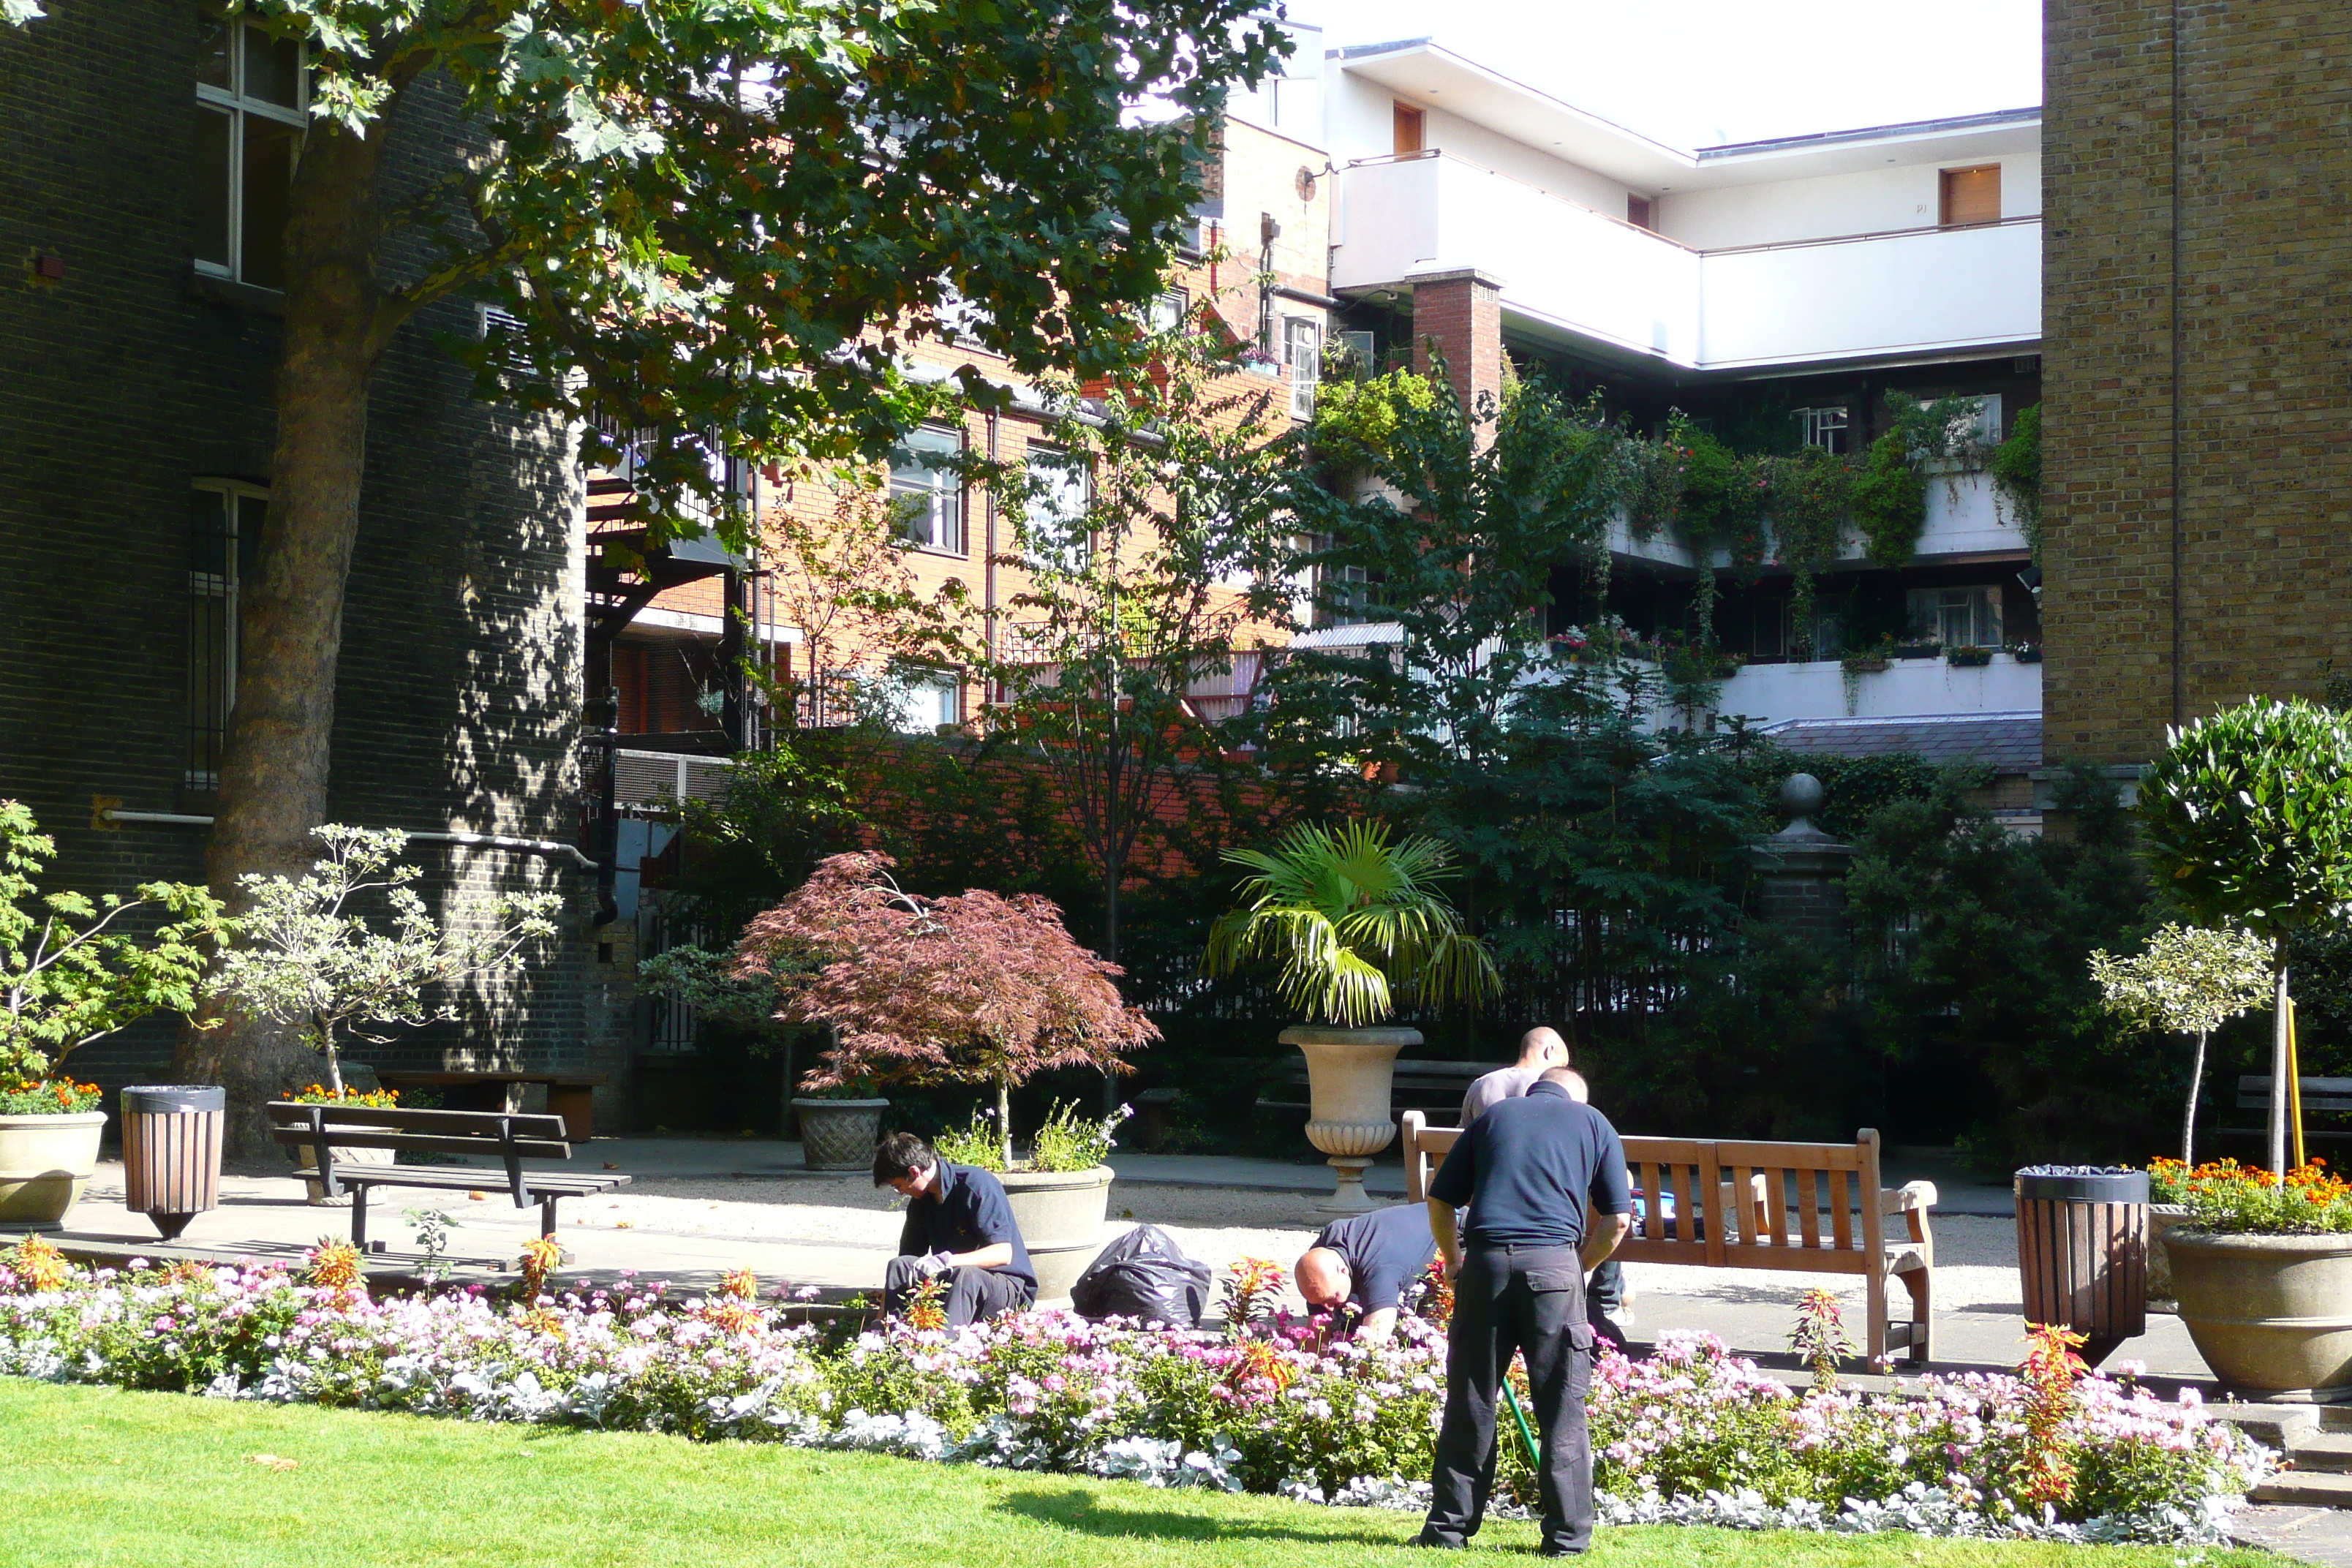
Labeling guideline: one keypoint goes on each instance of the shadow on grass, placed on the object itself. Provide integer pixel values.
(1090, 1513)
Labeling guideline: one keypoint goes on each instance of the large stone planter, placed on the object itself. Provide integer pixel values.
(1349, 1074)
(2161, 1218)
(1060, 1214)
(44, 1163)
(839, 1134)
(2271, 1315)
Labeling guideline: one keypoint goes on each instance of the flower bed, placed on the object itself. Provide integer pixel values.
(2225, 1196)
(1692, 1435)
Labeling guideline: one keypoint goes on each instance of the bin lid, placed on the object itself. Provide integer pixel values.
(164, 1099)
(2083, 1184)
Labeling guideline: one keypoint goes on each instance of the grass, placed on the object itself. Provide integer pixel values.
(102, 1476)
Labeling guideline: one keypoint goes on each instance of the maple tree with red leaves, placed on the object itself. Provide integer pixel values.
(976, 988)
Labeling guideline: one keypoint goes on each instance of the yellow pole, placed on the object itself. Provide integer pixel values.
(2293, 1084)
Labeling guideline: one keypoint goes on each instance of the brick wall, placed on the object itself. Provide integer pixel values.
(2255, 600)
(1459, 315)
(459, 686)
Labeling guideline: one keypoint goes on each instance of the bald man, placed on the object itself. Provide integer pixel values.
(1540, 1050)
(1365, 1264)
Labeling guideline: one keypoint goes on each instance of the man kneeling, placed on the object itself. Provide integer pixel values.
(958, 1224)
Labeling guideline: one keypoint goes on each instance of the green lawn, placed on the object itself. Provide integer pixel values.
(98, 1475)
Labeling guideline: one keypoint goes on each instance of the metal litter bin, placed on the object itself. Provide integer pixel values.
(171, 1151)
(2082, 1249)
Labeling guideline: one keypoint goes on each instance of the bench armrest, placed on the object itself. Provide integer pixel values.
(1910, 1195)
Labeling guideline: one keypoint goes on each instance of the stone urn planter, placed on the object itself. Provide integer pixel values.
(1349, 1074)
(2161, 1218)
(2271, 1315)
(1060, 1214)
(44, 1163)
(839, 1134)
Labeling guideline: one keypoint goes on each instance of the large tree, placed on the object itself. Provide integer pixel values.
(708, 223)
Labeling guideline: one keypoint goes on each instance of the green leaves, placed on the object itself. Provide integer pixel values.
(2247, 816)
(2188, 979)
(78, 972)
(1347, 916)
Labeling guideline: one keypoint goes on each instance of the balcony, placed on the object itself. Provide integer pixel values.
(1965, 522)
(1906, 688)
(1577, 271)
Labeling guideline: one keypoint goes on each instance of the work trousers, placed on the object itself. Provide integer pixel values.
(974, 1295)
(1507, 1300)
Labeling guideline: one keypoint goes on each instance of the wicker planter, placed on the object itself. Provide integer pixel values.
(839, 1134)
(44, 1163)
(1060, 1214)
(2271, 1315)
(1349, 1074)
(2161, 1218)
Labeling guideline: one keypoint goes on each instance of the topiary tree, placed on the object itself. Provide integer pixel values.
(971, 989)
(2188, 979)
(2247, 817)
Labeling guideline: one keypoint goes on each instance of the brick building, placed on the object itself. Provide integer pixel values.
(139, 333)
(2197, 476)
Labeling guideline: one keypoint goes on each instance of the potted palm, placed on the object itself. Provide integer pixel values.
(72, 974)
(1353, 924)
(974, 989)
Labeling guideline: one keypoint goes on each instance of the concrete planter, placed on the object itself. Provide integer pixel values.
(1349, 1076)
(1060, 1214)
(839, 1134)
(2271, 1315)
(2161, 1218)
(44, 1163)
(307, 1159)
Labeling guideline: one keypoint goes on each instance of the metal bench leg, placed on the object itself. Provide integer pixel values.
(359, 1217)
(546, 1218)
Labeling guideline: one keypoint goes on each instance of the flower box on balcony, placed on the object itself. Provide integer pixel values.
(1969, 658)
(1918, 650)
(2026, 653)
(1864, 664)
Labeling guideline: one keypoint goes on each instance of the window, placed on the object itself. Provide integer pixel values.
(1637, 212)
(1053, 524)
(1167, 314)
(1302, 346)
(1822, 428)
(928, 701)
(1956, 617)
(1408, 129)
(1971, 196)
(250, 97)
(223, 533)
(926, 493)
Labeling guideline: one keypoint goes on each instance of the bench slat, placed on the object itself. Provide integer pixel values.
(560, 1184)
(1842, 1224)
(422, 1142)
(1809, 1219)
(288, 1113)
(1790, 1156)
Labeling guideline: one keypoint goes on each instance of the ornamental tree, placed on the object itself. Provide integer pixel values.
(713, 224)
(2247, 820)
(308, 956)
(71, 970)
(971, 989)
(2188, 979)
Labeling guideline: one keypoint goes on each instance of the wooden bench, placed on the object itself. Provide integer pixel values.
(328, 1129)
(2321, 1095)
(571, 1095)
(1839, 1223)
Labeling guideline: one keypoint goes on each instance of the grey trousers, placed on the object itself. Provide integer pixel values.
(974, 1295)
(1507, 1300)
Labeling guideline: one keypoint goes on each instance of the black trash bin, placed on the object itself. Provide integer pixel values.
(171, 1151)
(2082, 1249)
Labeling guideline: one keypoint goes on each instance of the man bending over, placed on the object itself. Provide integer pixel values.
(1365, 1264)
(960, 1225)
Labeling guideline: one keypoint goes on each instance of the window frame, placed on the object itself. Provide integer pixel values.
(236, 105)
(1302, 351)
(1070, 463)
(1835, 420)
(222, 594)
(1983, 609)
(947, 485)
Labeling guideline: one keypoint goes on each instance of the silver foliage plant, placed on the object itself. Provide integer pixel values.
(2187, 980)
(309, 956)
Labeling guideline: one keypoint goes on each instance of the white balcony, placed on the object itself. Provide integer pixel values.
(1568, 267)
(1965, 521)
(1906, 688)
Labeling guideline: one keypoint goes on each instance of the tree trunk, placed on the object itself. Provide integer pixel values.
(2195, 1087)
(273, 785)
(2281, 1064)
(1004, 1118)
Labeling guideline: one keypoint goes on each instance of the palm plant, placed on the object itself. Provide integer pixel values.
(1354, 922)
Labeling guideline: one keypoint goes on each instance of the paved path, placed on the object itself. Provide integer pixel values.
(2322, 1535)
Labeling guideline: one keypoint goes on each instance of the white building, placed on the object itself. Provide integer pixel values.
(1779, 291)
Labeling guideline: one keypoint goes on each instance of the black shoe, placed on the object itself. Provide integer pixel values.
(1437, 1545)
(1561, 1552)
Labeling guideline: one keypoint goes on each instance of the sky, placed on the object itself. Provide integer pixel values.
(1697, 73)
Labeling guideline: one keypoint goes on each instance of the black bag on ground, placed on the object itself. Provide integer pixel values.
(1143, 1275)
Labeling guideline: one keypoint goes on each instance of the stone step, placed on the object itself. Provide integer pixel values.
(2322, 1450)
(2306, 1488)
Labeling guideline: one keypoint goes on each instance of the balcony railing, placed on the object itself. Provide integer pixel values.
(1965, 521)
(1564, 264)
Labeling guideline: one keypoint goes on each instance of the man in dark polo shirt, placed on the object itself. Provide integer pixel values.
(1365, 1264)
(1527, 1169)
(958, 1224)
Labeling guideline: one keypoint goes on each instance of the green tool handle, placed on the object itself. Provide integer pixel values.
(1526, 1433)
